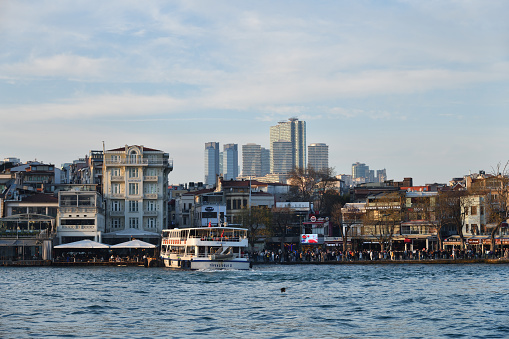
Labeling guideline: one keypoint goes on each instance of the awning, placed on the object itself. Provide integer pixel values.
(83, 244)
(132, 233)
(134, 244)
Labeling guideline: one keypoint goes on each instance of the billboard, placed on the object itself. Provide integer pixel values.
(309, 238)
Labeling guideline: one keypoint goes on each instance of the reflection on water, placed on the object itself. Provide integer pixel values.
(389, 301)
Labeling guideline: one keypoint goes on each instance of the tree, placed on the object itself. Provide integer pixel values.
(257, 221)
(318, 186)
(282, 218)
(346, 217)
(383, 214)
(450, 209)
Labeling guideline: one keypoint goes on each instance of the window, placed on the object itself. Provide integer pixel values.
(115, 206)
(475, 230)
(115, 159)
(133, 206)
(150, 188)
(133, 189)
(151, 172)
(151, 205)
(133, 222)
(115, 172)
(482, 210)
(473, 210)
(133, 172)
(151, 222)
(115, 188)
(132, 157)
(115, 222)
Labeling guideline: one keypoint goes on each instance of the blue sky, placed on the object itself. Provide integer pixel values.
(420, 88)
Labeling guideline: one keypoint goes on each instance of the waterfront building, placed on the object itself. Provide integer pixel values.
(293, 131)
(211, 163)
(230, 162)
(318, 156)
(135, 183)
(28, 227)
(80, 214)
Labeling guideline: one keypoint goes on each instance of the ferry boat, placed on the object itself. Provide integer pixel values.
(205, 248)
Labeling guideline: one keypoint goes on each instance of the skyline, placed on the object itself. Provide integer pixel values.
(418, 88)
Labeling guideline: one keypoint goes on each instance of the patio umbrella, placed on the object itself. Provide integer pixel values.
(83, 244)
(134, 244)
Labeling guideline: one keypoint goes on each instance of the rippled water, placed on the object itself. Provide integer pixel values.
(387, 301)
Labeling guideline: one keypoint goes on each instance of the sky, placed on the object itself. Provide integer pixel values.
(420, 88)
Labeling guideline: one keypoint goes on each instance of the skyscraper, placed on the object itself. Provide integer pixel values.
(318, 156)
(251, 160)
(282, 155)
(230, 161)
(211, 162)
(293, 131)
(360, 170)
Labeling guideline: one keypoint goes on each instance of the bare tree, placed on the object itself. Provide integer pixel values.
(282, 218)
(257, 221)
(346, 217)
(382, 217)
(450, 210)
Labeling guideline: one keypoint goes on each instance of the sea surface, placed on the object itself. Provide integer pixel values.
(321, 301)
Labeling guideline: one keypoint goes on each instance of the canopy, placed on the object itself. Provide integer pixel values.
(134, 244)
(131, 232)
(83, 244)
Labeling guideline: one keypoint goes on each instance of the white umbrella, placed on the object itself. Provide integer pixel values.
(134, 244)
(83, 244)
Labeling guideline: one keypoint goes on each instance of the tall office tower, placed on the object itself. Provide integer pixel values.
(251, 160)
(318, 156)
(265, 161)
(293, 131)
(230, 161)
(282, 155)
(381, 175)
(211, 162)
(360, 170)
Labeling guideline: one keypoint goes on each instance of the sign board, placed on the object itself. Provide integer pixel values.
(313, 218)
(309, 239)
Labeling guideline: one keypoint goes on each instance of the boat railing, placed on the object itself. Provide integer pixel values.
(222, 239)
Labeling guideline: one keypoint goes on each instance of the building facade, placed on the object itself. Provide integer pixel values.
(135, 183)
(211, 163)
(318, 156)
(230, 161)
(293, 131)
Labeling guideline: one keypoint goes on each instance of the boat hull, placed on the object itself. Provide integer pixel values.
(205, 264)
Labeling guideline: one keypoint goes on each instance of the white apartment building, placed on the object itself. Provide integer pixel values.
(135, 183)
(80, 214)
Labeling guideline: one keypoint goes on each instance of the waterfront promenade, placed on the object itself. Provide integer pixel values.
(153, 262)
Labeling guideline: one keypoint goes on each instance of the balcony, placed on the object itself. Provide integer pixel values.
(150, 213)
(150, 178)
(150, 196)
(117, 178)
(64, 210)
(117, 195)
(78, 227)
(117, 213)
(127, 162)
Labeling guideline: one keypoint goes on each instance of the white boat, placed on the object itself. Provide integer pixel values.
(205, 248)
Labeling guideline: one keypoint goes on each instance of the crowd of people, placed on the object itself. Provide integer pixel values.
(324, 255)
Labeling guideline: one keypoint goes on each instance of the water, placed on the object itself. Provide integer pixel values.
(386, 301)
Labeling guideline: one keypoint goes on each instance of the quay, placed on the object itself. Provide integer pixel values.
(155, 262)
(149, 262)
